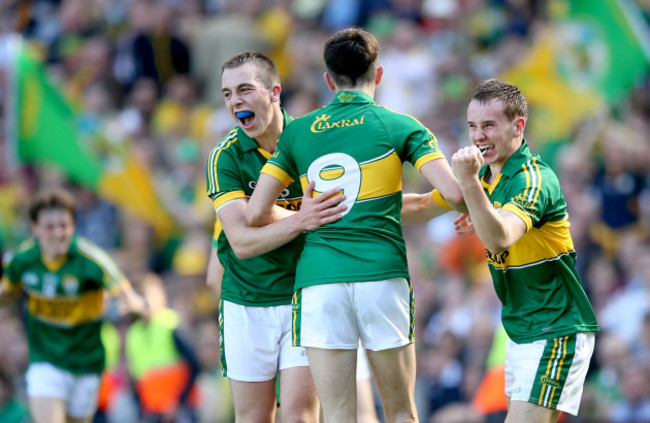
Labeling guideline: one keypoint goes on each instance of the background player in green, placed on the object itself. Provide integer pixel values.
(258, 279)
(65, 277)
(352, 277)
(518, 210)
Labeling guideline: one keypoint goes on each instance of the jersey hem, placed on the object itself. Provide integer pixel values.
(257, 304)
(67, 369)
(551, 335)
(354, 279)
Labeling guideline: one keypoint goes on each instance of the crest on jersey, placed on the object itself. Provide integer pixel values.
(70, 285)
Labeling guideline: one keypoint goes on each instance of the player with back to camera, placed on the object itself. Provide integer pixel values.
(352, 279)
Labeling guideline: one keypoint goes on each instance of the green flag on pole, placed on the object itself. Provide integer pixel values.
(46, 130)
(47, 134)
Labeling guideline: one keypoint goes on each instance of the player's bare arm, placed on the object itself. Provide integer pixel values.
(419, 208)
(260, 205)
(130, 302)
(249, 241)
(439, 174)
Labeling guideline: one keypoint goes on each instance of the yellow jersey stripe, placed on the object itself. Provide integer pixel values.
(528, 179)
(214, 159)
(427, 158)
(538, 172)
(229, 196)
(548, 371)
(278, 173)
(381, 177)
(493, 185)
(66, 312)
(264, 153)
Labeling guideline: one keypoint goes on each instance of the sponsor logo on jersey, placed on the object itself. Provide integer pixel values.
(30, 279)
(284, 194)
(497, 258)
(322, 123)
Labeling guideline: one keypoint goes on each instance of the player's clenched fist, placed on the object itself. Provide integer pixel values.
(466, 162)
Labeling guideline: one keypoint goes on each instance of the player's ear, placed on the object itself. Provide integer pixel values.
(275, 92)
(330, 81)
(379, 74)
(520, 124)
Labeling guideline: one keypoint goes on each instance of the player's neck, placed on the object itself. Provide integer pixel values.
(269, 138)
(364, 88)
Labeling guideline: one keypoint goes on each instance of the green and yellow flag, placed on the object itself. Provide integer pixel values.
(592, 53)
(47, 133)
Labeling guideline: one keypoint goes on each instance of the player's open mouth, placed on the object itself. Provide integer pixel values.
(484, 149)
(246, 118)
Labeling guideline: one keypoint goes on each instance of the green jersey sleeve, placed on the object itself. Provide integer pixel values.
(420, 145)
(223, 182)
(535, 195)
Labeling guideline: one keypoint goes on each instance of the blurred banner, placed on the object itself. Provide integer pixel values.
(46, 132)
(591, 55)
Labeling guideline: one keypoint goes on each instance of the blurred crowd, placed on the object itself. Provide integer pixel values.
(144, 77)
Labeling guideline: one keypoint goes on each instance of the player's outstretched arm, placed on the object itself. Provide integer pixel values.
(439, 174)
(130, 302)
(420, 208)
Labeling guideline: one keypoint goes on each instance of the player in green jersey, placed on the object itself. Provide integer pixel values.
(518, 210)
(258, 278)
(352, 277)
(64, 277)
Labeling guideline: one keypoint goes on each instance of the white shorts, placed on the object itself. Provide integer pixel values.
(338, 315)
(256, 342)
(551, 372)
(78, 391)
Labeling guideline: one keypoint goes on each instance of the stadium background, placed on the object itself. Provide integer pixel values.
(120, 102)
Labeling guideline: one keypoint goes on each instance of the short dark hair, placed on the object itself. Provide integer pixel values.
(351, 56)
(269, 72)
(53, 198)
(514, 102)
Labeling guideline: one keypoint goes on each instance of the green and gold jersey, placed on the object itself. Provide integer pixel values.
(358, 146)
(536, 278)
(65, 302)
(232, 172)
